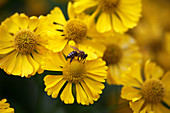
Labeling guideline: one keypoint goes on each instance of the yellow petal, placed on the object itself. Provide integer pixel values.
(95, 64)
(136, 72)
(27, 68)
(57, 16)
(51, 80)
(34, 64)
(128, 80)
(57, 44)
(166, 98)
(131, 93)
(18, 65)
(94, 86)
(22, 21)
(166, 78)
(33, 23)
(88, 92)
(152, 70)
(82, 5)
(37, 57)
(96, 77)
(98, 71)
(136, 106)
(159, 108)
(12, 62)
(55, 89)
(67, 95)
(10, 22)
(81, 95)
(6, 50)
(53, 62)
(114, 75)
(92, 47)
(126, 19)
(4, 60)
(70, 11)
(118, 25)
(103, 23)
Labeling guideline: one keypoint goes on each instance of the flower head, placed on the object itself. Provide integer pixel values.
(121, 52)
(82, 75)
(4, 107)
(74, 31)
(22, 45)
(116, 15)
(147, 94)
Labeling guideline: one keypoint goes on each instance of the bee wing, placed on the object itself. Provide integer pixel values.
(75, 48)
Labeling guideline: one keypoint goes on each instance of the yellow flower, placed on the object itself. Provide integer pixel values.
(81, 78)
(151, 30)
(75, 30)
(121, 52)
(117, 15)
(4, 107)
(148, 93)
(22, 45)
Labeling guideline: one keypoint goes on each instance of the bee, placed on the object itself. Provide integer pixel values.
(79, 53)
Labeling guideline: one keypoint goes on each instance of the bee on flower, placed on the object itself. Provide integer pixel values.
(75, 32)
(147, 90)
(80, 78)
(116, 15)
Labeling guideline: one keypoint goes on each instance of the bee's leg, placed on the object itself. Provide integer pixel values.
(78, 57)
(71, 59)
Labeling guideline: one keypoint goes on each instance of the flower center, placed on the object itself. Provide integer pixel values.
(74, 71)
(153, 90)
(112, 54)
(109, 5)
(76, 30)
(25, 41)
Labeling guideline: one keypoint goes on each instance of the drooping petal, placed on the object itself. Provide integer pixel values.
(53, 61)
(118, 25)
(88, 92)
(104, 23)
(131, 93)
(151, 70)
(13, 25)
(96, 77)
(55, 89)
(94, 86)
(67, 95)
(34, 64)
(136, 106)
(82, 5)
(71, 11)
(18, 65)
(159, 108)
(33, 23)
(166, 78)
(57, 43)
(57, 16)
(27, 68)
(94, 64)
(81, 95)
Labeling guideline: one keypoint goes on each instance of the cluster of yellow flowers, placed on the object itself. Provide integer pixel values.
(88, 48)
